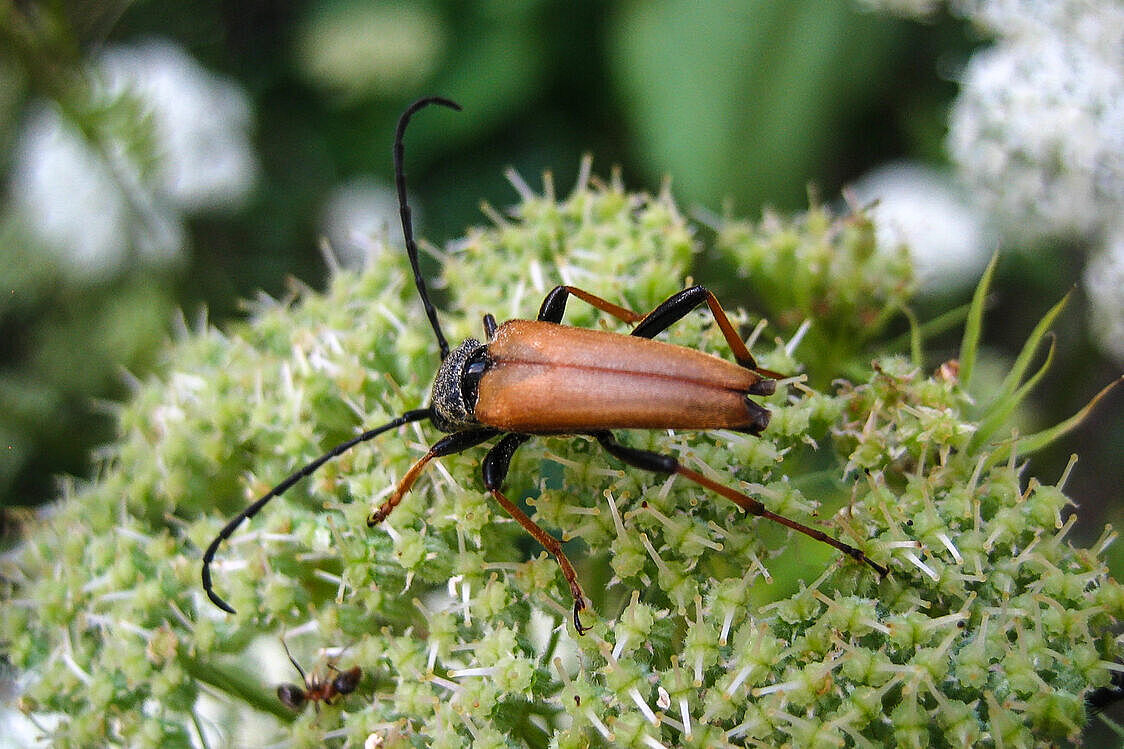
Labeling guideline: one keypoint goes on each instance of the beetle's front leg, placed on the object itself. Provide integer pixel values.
(495, 466)
(454, 443)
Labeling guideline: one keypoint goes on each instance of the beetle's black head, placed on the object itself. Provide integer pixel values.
(453, 398)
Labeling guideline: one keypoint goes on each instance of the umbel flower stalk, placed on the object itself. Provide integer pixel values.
(709, 628)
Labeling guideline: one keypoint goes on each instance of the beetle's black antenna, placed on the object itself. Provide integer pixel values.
(209, 555)
(404, 210)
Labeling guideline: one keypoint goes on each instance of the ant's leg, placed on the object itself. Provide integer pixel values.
(658, 463)
(495, 466)
(454, 443)
(676, 307)
(554, 305)
(293, 696)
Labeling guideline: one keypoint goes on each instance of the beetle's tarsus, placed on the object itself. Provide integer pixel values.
(859, 556)
(579, 606)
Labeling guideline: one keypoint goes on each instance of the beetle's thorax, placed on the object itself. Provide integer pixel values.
(453, 398)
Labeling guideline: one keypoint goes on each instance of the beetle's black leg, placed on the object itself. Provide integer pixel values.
(1102, 697)
(658, 463)
(554, 306)
(454, 443)
(677, 306)
(495, 466)
(669, 312)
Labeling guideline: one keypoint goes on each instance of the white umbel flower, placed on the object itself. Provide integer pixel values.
(354, 218)
(201, 122)
(1038, 129)
(923, 209)
(1104, 282)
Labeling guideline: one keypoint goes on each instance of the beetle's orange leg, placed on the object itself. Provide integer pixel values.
(676, 307)
(454, 443)
(658, 463)
(669, 312)
(277, 491)
(495, 466)
(554, 306)
(550, 543)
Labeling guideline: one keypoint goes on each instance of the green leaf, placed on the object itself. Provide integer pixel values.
(929, 329)
(1002, 408)
(1033, 442)
(1011, 394)
(969, 347)
(916, 339)
(1011, 381)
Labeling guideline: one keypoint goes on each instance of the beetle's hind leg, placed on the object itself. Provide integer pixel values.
(495, 466)
(659, 463)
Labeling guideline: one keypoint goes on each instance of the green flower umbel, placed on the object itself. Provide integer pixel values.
(709, 628)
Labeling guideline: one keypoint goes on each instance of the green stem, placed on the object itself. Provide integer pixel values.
(241, 683)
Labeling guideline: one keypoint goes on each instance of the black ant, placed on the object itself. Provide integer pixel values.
(315, 690)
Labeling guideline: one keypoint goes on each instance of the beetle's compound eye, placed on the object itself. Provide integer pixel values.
(474, 369)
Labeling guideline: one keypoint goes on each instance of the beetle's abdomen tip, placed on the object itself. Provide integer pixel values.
(763, 387)
(759, 417)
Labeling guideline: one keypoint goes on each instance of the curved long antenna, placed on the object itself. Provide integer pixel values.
(277, 491)
(404, 210)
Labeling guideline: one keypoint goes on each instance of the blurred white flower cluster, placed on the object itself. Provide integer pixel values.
(1104, 282)
(112, 190)
(1038, 129)
(356, 217)
(926, 210)
(1037, 137)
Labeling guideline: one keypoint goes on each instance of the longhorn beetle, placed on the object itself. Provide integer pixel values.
(540, 377)
(315, 689)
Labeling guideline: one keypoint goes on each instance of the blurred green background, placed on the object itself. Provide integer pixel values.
(742, 104)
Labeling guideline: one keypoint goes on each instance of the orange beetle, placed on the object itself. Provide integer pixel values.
(535, 377)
